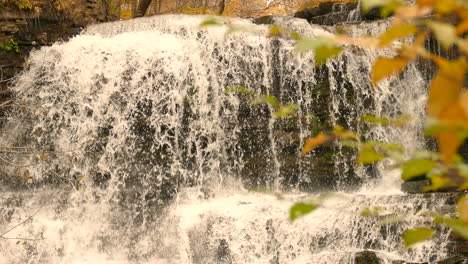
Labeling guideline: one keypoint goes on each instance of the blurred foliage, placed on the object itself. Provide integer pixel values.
(416, 235)
(279, 110)
(300, 209)
(447, 106)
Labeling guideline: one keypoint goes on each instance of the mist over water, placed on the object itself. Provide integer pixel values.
(149, 160)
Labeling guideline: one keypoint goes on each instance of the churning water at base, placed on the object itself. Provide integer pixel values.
(132, 151)
(222, 225)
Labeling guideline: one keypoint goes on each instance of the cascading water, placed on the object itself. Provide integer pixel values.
(132, 150)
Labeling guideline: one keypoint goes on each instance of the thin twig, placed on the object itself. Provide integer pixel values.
(9, 79)
(17, 165)
(20, 238)
(27, 219)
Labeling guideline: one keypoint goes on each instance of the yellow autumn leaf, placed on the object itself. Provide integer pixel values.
(365, 42)
(384, 67)
(397, 32)
(446, 6)
(424, 3)
(311, 143)
(463, 45)
(462, 27)
(408, 12)
(463, 12)
(417, 49)
(448, 145)
(445, 33)
(463, 100)
(448, 140)
(462, 207)
(445, 87)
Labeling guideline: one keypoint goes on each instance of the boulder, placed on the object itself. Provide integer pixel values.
(328, 13)
(366, 257)
(333, 13)
(457, 259)
(415, 186)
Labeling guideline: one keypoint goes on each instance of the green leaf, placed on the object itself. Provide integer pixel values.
(444, 32)
(300, 209)
(458, 226)
(267, 99)
(390, 8)
(425, 154)
(238, 90)
(276, 30)
(438, 182)
(367, 5)
(417, 167)
(285, 111)
(295, 35)
(389, 147)
(463, 170)
(413, 236)
(239, 29)
(389, 5)
(434, 126)
(391, 220)
(368, 155)
(398, 122)
(323, 53)
(323, 48)
(210, 22)
(344, 134)
(372, 211)
(305, 45)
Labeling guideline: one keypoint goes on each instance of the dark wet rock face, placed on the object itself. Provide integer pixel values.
(333, 13)
(457, 259)
(416, 186)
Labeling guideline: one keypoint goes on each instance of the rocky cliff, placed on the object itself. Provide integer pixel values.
(240, 8)
(24, 28)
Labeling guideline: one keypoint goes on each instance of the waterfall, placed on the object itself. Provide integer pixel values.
(133, 150)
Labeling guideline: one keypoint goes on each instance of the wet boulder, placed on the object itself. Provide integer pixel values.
(366, 257)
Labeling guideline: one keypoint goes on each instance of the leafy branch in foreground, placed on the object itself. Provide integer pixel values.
(447, 107)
